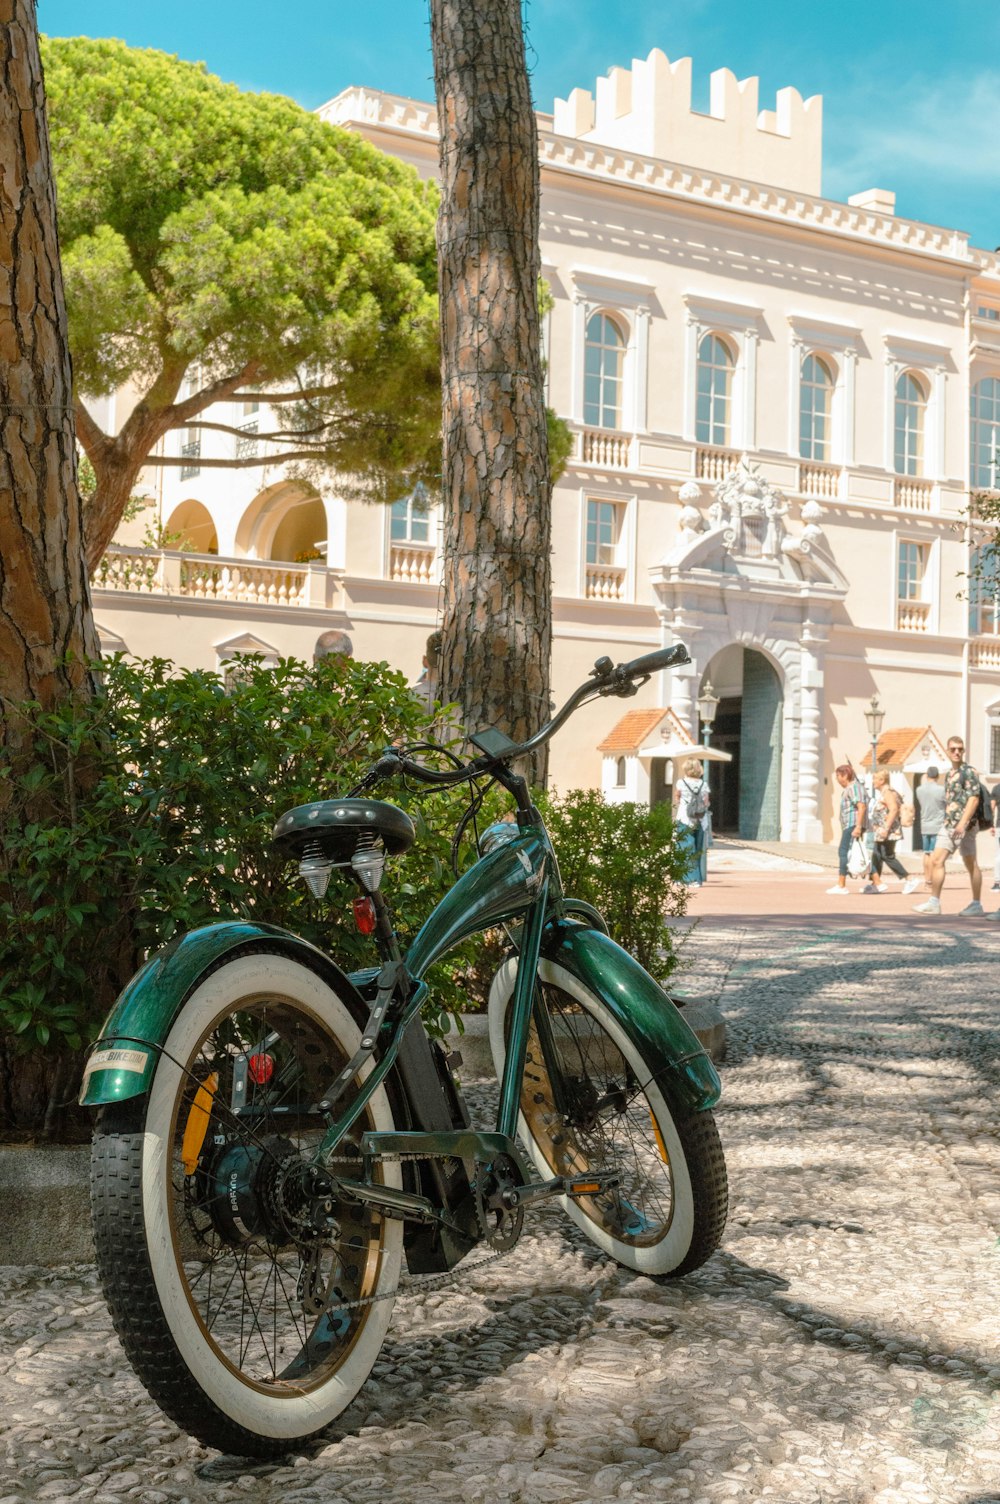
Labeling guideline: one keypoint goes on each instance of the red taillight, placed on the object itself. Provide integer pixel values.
(364, 915)
(261, 1069)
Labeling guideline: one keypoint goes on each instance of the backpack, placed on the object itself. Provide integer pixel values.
(984, 810)
(696, 807)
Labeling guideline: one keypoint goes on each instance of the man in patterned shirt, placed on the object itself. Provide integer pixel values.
(958, 833)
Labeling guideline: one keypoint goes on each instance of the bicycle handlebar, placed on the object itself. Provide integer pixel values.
(605, 678)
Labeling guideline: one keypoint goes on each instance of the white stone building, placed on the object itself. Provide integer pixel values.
(780, 404)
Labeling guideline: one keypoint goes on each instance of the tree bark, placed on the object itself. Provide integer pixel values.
(44, 601)
(497, 598)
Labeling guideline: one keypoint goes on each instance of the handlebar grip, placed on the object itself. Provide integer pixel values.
(662, 658)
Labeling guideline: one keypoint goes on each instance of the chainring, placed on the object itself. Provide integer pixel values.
(500, 1219)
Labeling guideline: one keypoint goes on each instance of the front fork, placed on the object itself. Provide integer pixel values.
(520, 1016)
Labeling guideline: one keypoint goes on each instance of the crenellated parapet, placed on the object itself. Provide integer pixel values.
(647, 109)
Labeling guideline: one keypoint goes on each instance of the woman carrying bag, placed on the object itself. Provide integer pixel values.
(887, 829)
(852, 827)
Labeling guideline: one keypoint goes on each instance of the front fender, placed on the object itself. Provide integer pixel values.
(122, 1059)
(683, 1070)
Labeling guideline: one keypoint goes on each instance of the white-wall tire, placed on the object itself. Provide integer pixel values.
(191, 1377)
(683, 1232)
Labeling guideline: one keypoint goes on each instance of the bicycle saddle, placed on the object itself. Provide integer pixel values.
(336, 828)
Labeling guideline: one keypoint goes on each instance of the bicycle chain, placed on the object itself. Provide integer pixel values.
(416, 1282)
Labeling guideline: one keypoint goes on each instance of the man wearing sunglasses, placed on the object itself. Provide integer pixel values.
(958, 833)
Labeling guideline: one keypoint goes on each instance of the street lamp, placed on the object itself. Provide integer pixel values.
(874, 715)
(708, 702)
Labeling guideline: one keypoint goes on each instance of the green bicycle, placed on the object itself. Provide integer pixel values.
(276, 1138)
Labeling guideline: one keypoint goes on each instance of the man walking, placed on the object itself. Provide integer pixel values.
(930, 797)
(957, 833)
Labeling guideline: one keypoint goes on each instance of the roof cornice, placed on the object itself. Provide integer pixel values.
(395, 114)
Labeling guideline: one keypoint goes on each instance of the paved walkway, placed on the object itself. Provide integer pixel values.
(841, 1349)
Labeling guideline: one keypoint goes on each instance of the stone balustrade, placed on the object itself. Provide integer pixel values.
(415, 563)
(914, 495)
(605, 582)
(912, 616)
(714, 464)
(254, 582)
(820, 480)
(601, 446)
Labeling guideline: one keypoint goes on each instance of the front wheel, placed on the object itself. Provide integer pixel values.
(589, 1103)
(250, 1301)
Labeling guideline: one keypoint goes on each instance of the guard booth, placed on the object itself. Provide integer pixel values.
(643, 755)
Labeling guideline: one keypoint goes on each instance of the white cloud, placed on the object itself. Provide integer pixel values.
(944, 131)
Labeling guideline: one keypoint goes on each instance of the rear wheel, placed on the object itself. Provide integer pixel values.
(589, 1103)
(250, 1301)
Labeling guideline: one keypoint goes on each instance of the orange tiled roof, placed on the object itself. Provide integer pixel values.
(894, 747)
(631, 731)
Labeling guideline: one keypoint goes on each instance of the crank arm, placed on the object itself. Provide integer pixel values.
(563, 1185)
(394, 1203)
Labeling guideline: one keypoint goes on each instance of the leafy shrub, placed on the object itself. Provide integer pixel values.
(148, 811)
(623, 859)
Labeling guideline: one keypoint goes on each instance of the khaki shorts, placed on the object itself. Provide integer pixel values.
(946, 842)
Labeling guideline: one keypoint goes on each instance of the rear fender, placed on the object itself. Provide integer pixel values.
(122, 1060)
(682, 1069)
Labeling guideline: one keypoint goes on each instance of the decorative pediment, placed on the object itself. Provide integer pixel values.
(746, 534)
(245, 643)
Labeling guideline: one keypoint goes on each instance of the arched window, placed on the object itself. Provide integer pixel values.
(409, 517)
(984, 591)
(620, 773)
(911, 403)
(815, 404)
(713, 413)
(984, 457)
(602, 380)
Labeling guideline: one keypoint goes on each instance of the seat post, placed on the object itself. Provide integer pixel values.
(385, 935)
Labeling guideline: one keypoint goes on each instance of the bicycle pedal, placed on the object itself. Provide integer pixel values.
(591, 1185)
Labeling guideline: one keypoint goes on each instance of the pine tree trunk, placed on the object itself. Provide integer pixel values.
(45, 611)
(44, 602)
(498, 585)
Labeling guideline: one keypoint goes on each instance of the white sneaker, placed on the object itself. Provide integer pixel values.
(881, 888)
(993, 914)
(929, 906)
(911, 885)
(841, 891)
(973, 910)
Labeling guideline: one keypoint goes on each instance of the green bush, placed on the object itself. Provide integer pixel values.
(149, 810)
(623, 859)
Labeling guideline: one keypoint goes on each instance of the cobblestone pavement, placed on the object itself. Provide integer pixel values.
(841, 1348)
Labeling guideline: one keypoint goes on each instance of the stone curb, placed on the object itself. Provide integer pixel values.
(44, 1192)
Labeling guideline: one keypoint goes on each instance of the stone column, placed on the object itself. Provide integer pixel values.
(809, 823)
(581, 313)
(849, 384)
(748, 416)
(640, 370)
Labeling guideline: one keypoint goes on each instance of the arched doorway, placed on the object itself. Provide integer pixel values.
(192, 523)
(284, 522)
(746, 792)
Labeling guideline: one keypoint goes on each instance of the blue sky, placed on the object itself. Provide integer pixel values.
(910, 90)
